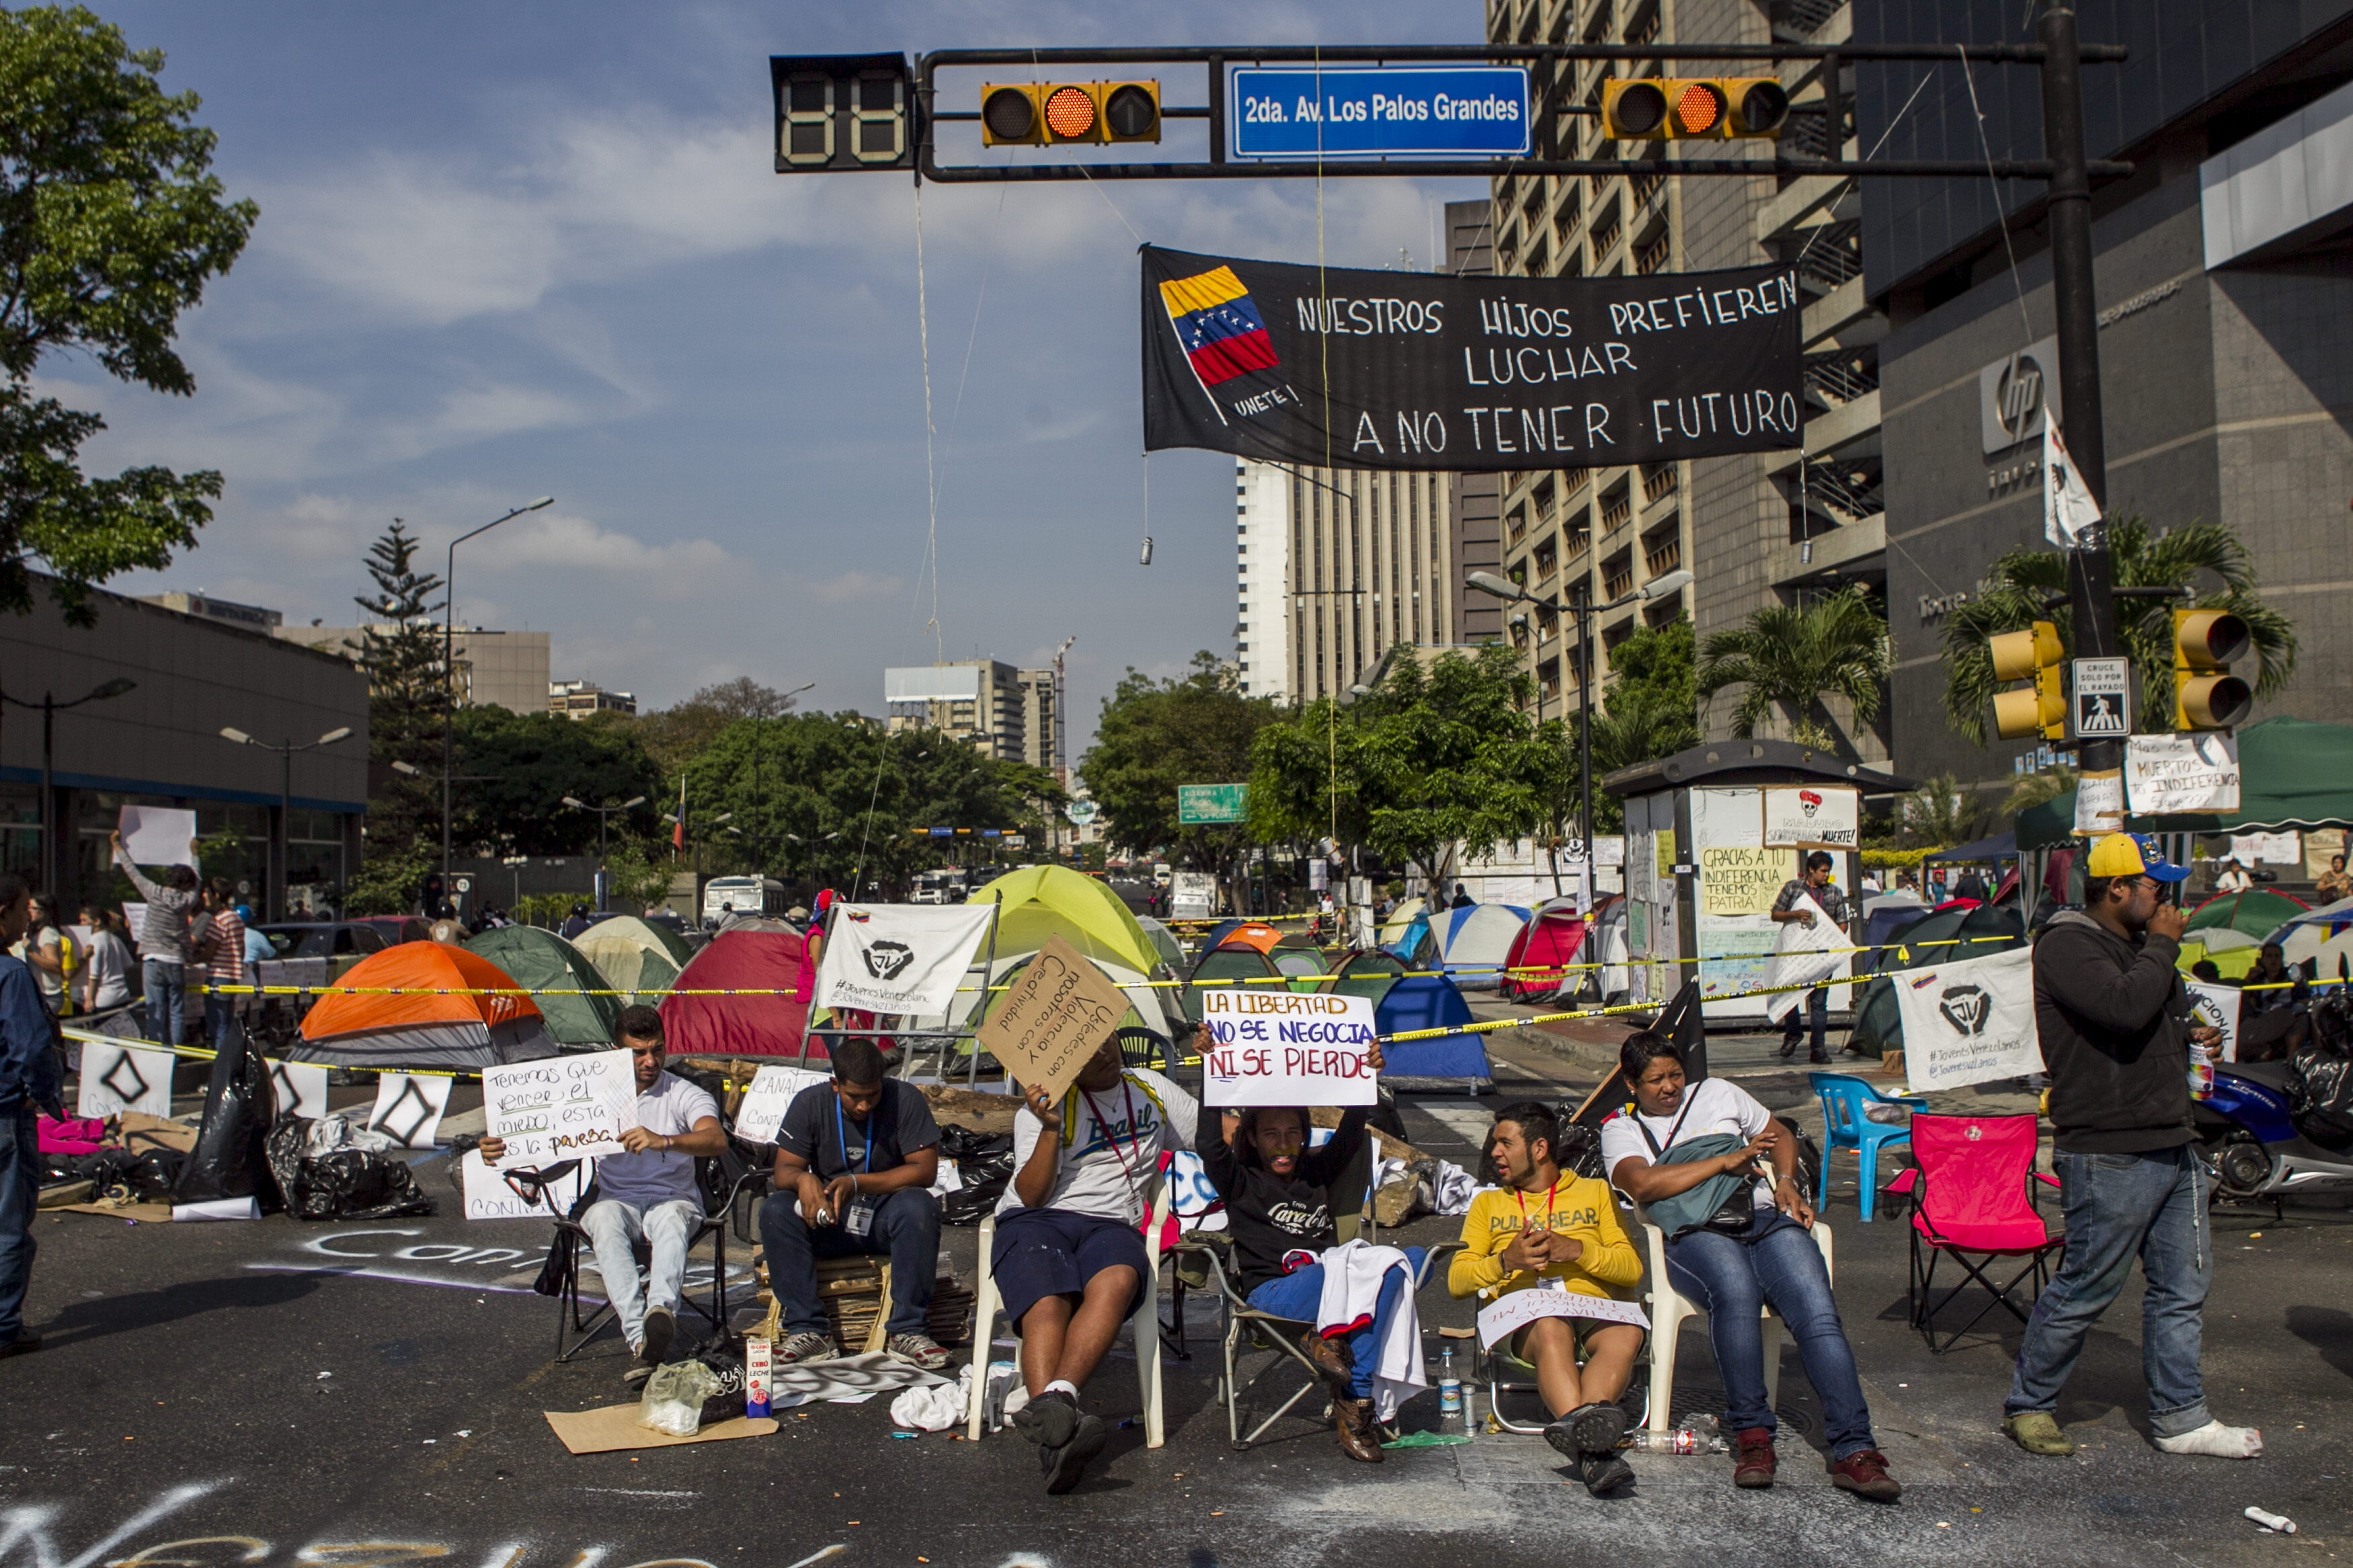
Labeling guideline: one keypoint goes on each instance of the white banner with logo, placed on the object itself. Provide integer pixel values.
(2168, 774)
(1971, 1022)
(1811, 818)
(899, 958)
(2217, 1007)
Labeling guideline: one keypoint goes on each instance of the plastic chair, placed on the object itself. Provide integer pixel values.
(1142, 1047)
(1669, 1308)
(1144, 1323)
(1844, 1099)
(1972, 1197)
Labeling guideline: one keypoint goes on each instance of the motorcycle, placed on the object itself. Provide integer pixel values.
(2272, 1128)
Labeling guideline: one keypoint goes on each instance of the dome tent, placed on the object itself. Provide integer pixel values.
(549, 966)
(634, 955)
(755, 955)
(437, 1020)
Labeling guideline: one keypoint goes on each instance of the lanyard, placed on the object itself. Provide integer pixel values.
(1522, 1199)
(1111, 1140)
(841, 1134)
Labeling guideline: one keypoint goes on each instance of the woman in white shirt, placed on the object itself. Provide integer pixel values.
(106, 975)
(1740, 1244)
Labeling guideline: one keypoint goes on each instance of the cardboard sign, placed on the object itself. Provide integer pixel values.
(1968, 1023)
(2099, 803)
(1742, 879)
(562, 1108)
(408, 1107)
(157, 834)
(488, 1196)
(2170, 773)
(1057, 1014)
(1280, 1048)
(2217, 1007)
(899, 958)
(116, 1078)
(1811, 817)
(1507, 1316)
(762, 1113)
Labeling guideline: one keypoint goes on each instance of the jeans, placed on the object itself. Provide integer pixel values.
(1733, 1280)
(614, 1229)
(1817, 1005)
(1297, 1295)
(20, 1190)
(167, 999)
(2117, 1207)
(906, 1228)
(220, 1013)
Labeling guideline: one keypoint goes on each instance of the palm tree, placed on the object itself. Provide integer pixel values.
(1791, 657)
(2034, 789)
(2023, 580)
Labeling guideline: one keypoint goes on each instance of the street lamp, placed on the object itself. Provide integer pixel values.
(448, 660)
(283, 843)
(1505, 589)
(52, 866)
(602, 813)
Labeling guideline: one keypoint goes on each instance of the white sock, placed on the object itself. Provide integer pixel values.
(1064, 1385)
(2220, 1441)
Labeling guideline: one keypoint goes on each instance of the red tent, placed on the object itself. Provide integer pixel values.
(757, 956)
(1536, 965)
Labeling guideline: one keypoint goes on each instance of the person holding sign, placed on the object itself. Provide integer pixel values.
(1070, 1261)
(1278, 1196)
(856, 1159)
(2112, 1020)
(29, 1080)
(1545, 1229)
(162, 939)
(1736, 1243)
(1813, 889)
(648, 1193)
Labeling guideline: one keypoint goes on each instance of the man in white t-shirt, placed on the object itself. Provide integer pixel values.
(648, 1193)
(1070, 1261)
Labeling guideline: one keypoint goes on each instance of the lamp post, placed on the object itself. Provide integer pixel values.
(1504, 588)
(52, 866)
(283, 844)
(602, 813)
(448, 660)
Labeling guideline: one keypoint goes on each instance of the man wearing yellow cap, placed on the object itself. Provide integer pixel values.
(2114, 1021)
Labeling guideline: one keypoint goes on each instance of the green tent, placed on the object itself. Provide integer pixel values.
(2255, 912)
(543, 962)
(1039, 901)
(637, 957)
(2292, 773)
(1948, 936)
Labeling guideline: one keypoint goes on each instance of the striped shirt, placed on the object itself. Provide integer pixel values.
(225, 963)
(163, 934)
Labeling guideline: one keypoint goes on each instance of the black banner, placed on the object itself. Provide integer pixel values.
(1425, 371)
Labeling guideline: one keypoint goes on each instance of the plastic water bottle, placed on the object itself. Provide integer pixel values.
(1450, 1393)
(1681, 1440)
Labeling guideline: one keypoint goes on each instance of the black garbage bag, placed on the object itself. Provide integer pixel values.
(984, 1164)
(349, 1184)
(725, 1360)
(2321, 1091)
(229, 1160)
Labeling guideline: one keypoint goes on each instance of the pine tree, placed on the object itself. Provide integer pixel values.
(401, 651)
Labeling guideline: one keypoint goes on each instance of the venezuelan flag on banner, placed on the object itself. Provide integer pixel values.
(1222, 333)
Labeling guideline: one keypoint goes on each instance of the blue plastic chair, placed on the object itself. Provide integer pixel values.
(1844, 1099)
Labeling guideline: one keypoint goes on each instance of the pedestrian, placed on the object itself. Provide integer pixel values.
(106, 976)
(162, 940)
(2234, 878)
(577, 923)
(1462, 899)
(2114, 1019)
(220, 946)
(43, 947)
(1814, 882)
(30, 1081)
(2334, 883)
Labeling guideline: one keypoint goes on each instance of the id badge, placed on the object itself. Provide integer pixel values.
(859, 1218)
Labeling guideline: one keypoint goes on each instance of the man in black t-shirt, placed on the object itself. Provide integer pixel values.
(856, 1159)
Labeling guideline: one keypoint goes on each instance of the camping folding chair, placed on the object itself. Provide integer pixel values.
(1972, 1197)
(1505, 1373)
(1669, 1308)
(1144, 1323)
(1848, 1122)
(575, 1328)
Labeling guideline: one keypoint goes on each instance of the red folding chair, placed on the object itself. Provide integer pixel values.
(1972, 1197)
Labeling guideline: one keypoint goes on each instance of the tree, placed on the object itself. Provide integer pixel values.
(111, 225)
(401, 650)
(1790, 657)
(2036, 789)
(675, 736)
(1940, 814)
(2023, 580)
(516, 769)
(1156, 735)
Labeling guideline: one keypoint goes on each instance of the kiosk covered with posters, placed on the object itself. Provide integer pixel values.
(1711, 835)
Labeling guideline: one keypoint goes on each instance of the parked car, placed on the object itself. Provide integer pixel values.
(337, 939)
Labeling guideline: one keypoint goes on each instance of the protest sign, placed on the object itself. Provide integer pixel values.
(408, 1107)
(300, 1088)
(2099, 803)
(1805, 955)
(2170, 773)
(158, 834)
(1507, 1316)
(488, 1196)
(1812, 817)
(2217, 1007)
(765, 1103)
(116, 1078)
(1742, 879)
(1966, 1023)
(1058, 1013)
(1280, 1048)
(562, 1108)
(899, 958)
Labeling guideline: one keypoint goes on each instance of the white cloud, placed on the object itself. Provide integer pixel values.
(850, 586)
(561, 540)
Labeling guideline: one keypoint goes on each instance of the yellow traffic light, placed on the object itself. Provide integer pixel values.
(2206, 695)
(1694, 109)
(2041, 709)
(1063, 114)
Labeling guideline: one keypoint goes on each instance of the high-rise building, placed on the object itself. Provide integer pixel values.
(501, 669)
(982, 703)
(577, 699)
(1042, 720)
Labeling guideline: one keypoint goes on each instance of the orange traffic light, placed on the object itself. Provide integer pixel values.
(2041, 709)
(1061, 114)
(2206, 695)
(1698, 108)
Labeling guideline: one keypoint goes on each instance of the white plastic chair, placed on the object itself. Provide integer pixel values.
(1669, 1308)
(1144, 1323)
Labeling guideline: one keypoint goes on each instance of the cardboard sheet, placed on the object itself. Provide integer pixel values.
(615, 1427)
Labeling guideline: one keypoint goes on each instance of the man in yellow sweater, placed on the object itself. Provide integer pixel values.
(1544, 1230)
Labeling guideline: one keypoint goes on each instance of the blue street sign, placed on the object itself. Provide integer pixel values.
(942, 832)
(1391, 111)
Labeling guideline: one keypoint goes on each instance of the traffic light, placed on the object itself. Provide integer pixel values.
(1712, 108)
(1063, 114)
(843, 112)
(2206, 695)
(2041, 709)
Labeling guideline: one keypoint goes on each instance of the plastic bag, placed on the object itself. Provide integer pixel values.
(725, 1364)
(674, 1395)
(350, 1183)
(984, 1162)
(934, 1409)
(228, 1160)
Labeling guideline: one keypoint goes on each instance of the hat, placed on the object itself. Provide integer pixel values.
(2132, 854)
(798, 913)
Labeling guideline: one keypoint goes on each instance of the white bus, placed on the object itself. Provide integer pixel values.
(722, 896)
(945, 886)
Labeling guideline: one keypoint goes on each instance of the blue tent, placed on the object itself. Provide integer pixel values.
(1410, 944)
(1429, 1002)
(1474, 942)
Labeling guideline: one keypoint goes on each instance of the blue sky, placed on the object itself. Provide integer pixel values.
(513, 250)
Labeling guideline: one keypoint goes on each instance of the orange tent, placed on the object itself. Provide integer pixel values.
(434, 1023)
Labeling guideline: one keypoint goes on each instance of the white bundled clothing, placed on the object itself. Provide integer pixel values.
(1353, 1275)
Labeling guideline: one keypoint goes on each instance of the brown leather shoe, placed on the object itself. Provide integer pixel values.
(1337, 1374)
(1353, 1420)
(1752, 1458)
(1865, 1475)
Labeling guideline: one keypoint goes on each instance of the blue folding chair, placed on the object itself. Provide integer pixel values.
(1846, 1099)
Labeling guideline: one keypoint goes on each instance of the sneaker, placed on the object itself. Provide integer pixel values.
(1865, 1475)
(2037, 1432)
(1607, 1473)
(640, 1368)
(1588, 1431)
(661, 1327)
(1048, 1421)
(23, 1344)
(1752, 1458)
(917, 1350)
(1066, 1465)
(806, 1348)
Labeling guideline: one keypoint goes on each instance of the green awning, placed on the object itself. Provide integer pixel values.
(2292, 773)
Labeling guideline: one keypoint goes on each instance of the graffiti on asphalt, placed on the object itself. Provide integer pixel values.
(382, 1253)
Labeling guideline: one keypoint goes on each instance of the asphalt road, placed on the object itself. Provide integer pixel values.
(360, 1394)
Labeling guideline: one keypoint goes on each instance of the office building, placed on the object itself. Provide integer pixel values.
(500, 670)
(576, 699)
(203, 606)
(1043, 736)
(982, 703)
